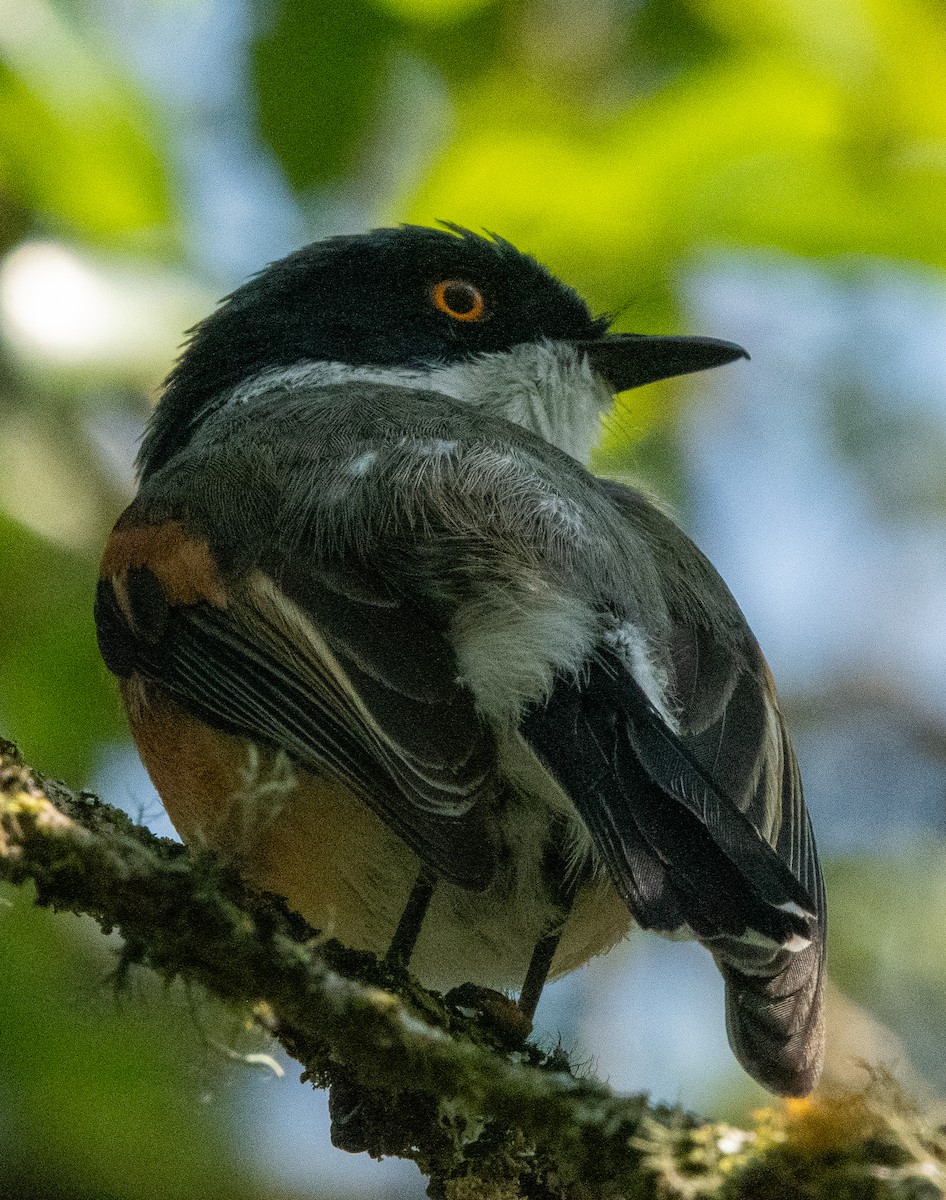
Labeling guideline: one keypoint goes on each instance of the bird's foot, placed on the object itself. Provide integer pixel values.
(498, 1014)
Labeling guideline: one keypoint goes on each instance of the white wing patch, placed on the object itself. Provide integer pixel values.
(561, 514)
(633, 648)
(362, 463)
(430, 447)
(511, 644)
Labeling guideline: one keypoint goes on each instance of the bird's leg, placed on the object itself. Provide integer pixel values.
(348, 1102)
(412, 919)
(537, 973)
(564, 885)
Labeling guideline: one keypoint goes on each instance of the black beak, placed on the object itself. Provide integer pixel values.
(629, 360)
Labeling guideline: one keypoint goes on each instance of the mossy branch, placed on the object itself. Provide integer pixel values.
(412, 1073)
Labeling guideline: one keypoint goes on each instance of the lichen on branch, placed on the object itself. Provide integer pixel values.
(483, 1115)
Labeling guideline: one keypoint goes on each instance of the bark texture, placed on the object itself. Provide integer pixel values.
(444, 1081)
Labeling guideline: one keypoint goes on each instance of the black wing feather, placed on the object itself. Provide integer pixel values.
(576, 739)
(683, 853)
(666, 758)
(426, 766)
(652, 803)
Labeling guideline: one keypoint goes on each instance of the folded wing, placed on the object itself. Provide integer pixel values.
(349, 680)
(695, 805)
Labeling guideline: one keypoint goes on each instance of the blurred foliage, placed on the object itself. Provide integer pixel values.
(336, 89)
(79, 147)
(623, 142)
(619, 142)
(881, 958)
(98, 1091)
(56, 696)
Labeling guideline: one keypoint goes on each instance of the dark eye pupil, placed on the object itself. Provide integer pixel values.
(459, 297)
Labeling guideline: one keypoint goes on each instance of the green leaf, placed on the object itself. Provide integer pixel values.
(97, 1098)
(77, 143)
(56, 698)
(432, 12)
(320, 72)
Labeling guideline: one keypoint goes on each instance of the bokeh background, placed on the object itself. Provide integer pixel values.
(768, 171)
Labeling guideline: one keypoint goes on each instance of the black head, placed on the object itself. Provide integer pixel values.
(406, 297)
(410, 296)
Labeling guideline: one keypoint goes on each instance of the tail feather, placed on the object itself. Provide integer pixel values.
(774, 1018)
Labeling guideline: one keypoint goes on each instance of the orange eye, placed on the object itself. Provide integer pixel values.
(459, 300)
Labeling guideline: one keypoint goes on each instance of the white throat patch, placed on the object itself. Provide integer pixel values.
(547, 387)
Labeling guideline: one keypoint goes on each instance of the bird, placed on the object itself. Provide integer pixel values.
(388, 646)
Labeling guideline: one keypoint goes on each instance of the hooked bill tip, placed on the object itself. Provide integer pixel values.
(629, 360)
